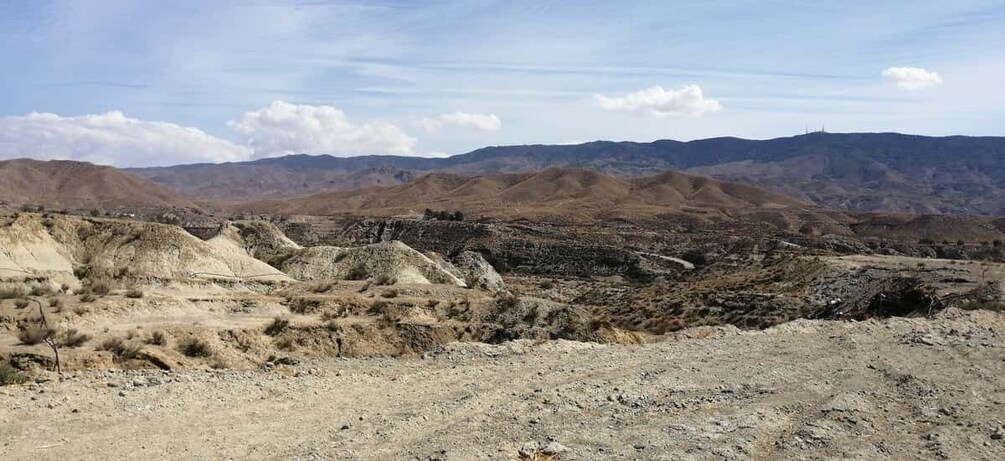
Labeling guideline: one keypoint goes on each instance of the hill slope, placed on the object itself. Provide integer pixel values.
(887, 172)
(568, 192)
(80, 185)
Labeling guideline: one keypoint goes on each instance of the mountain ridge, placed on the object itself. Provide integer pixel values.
(883, 172)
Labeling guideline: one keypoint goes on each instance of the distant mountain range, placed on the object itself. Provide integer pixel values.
(884, 172)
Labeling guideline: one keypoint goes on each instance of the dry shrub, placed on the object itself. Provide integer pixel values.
(195, 347)
(321, 287)
(389, 294)
(34, 333)
(121, 348)
(507, 300)
(303, 305)
(21, 303)
(384, 279)
(13, 291)
(277, 326)
(56, 303)
(158, 338)
(431, 303)
(87, 298)
(134, 293)
(100, 287)
(41, 290)
(73, 338)
(9, 375)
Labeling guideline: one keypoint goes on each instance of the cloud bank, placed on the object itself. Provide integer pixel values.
(111, 138)
(283, 129)
(480, 122)
(661, 103)
(912, 78)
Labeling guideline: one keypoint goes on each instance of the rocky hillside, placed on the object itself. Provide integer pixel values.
(886, 172)
(80, 185)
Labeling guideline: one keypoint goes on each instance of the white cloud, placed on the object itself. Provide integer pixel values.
(659, 102)
(111, 138)
(480, 122)
(912, 78)
(283, 129)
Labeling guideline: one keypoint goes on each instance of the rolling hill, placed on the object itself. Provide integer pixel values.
(885, 172)
(554, 192)
(80, 185)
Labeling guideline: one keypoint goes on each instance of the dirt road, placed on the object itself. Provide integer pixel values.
(895, 389)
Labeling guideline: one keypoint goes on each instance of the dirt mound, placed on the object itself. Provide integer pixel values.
(261, 239)
(81, 185)
(66, 246)
(386, 260)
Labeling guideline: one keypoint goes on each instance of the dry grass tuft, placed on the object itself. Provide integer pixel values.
(34, 334)
(195, 347)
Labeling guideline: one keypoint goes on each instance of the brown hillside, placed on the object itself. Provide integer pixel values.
(569, 192)
(80, 185)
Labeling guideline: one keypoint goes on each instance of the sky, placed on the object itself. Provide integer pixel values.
(146, 83)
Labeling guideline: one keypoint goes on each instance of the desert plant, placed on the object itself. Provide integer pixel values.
(383, 279)
(13, 291)
(431, 303)
(546, 284)
(303, 305)
(41, 290)
(356, 273)
(21, 303)
(158, 338)
(10, 375)
(34, 333)
(134, 293)
(73, 338)
(56, 303)
(121, 348)
(100, 288)
(277, 326)
(195, 347)
(391, 293)
(87, 298)
(507, 300)
(321, 287)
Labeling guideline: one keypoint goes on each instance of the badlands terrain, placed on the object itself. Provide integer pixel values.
(556, 314)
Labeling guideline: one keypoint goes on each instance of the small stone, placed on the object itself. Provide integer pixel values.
(344, 427)
(998, 434)
(139, 382)
(554, 448)
(122, 393)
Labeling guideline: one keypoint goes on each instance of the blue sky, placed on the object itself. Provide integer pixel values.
(136, 83)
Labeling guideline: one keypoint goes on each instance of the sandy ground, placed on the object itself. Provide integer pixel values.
(895, 389)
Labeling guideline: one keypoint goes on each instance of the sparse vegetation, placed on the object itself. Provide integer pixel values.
(356, 273)
(195, 347)
(122, 349)
(384, 279)
(41, 290)
(321, 287)
(10, 375)
(134, 293)
(277, 326)
(443, 215)
(34, 333)
(73, 338)
(13, 291)
(158, 338)
(983, 305)
(389, 293)
(21, 303)
(87, 298)
(100, 288)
